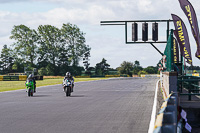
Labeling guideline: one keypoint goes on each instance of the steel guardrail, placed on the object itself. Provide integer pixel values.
(190, 83)
(166, 121)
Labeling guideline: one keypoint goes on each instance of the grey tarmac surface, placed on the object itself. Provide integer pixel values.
(107, 106)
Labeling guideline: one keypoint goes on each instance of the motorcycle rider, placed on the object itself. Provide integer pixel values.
(70, 78)
(31, 79)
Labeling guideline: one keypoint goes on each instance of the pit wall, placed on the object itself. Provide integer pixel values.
(168, 83)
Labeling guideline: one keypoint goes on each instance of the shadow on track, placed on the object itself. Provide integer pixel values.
(41, 95)
(77, 96)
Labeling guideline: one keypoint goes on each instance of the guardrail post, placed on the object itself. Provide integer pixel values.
(189, 90)
(180, 126)
(172, 106)
(181, 84)
(168, 115)
(169, 123)
(198, 83)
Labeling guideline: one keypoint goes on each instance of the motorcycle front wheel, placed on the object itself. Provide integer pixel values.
(30, 92)
(68, 92)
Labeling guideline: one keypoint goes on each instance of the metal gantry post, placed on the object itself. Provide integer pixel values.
(126, 32)
(172, 51)
(168, 28)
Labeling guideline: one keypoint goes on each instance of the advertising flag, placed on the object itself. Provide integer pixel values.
(182, 36)
(176, 51)
(191, 15)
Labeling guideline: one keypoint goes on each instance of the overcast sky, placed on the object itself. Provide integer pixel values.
(105, 41)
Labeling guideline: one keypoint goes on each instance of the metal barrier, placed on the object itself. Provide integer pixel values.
(191, 83)
(166, 121)
(10, 78)
(18, 78)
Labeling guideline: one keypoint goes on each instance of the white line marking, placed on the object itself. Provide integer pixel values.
(153, 115)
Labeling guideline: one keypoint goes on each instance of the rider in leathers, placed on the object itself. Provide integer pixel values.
(32, 79)
(70, 78)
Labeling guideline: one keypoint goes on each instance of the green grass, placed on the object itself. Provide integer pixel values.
(16, 85)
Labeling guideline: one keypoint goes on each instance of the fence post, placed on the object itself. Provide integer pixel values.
(189, 89)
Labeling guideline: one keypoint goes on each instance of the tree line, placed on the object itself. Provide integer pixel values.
(51, 50)
(135, 68)
(126, 67)
(130, 68)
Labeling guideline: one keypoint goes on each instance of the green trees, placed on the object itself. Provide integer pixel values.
(130, 68)
(7, 59)
(26, 43)
(60, 48)
(126, 68)
(151, 70)
(51, 50)
(137, 68)
(137, 63)
(54, 51)
(50, 40)
(142, 72)
(102, 67)
(86, 63)
(75, 40)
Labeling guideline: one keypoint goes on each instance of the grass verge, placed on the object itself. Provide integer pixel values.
(16, 85)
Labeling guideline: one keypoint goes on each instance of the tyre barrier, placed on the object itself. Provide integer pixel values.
(18, 78)
(38, 77)
(166, 121)
(1, 78)
(13, 78)
(10, 78)
(22, 77)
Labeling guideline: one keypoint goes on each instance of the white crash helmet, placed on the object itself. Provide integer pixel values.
(30, 76)
(68, 74)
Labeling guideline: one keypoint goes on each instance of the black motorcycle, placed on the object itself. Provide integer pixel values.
(67, 87)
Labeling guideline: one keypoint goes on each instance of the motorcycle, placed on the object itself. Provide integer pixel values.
(30, 87)
(67, 85)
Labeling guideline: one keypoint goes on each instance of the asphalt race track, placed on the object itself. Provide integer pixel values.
(107, 106)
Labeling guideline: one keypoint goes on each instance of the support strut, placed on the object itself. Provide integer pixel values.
(157, 49)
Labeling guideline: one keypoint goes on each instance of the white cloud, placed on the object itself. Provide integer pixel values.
(106, 42)
(145, 6)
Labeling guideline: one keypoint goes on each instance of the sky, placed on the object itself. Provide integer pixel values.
(105, 41)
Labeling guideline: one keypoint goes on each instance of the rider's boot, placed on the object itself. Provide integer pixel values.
(72, 88)
(35, 89)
